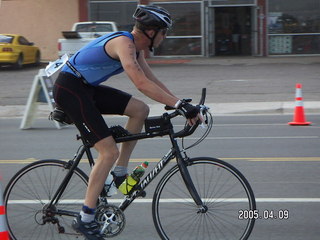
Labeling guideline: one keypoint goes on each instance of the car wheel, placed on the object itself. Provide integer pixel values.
(19, 62)
(37, 58)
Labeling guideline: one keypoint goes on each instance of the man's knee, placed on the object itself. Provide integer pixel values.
(107, 149)
(137, 109)
(144, 111)
(110, 154)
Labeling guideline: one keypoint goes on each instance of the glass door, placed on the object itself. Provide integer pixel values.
(232, 31)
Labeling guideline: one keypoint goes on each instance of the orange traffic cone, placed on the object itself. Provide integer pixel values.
(299, 118)
(4, 235)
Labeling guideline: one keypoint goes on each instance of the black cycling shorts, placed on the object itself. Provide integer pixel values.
(84, 104)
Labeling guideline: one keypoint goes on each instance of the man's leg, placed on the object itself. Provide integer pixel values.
(137, 111)
(107, 155)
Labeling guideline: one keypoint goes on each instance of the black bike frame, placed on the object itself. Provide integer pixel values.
(174, 152)
(72, 165)
(182, 163)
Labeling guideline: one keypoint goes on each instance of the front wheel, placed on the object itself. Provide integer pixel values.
(224, 192)
(28, 193)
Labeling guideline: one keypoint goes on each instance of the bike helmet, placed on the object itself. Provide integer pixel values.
(153, 16)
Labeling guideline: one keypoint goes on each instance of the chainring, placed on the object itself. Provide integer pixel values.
(111, 219)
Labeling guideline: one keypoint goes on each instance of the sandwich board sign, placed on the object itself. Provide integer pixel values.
(41, 92)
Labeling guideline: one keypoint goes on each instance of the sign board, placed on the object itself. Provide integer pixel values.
(41, 92)
(280, 44)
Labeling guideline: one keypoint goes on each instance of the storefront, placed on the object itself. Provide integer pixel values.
(294, 28)
(232, 28)
(228, 27)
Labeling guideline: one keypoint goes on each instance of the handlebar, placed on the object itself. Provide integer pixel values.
(201, 102)
(188, 130)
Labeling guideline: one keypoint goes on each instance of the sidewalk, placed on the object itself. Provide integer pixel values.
(241, 60)
(245, 107)
(17, 111)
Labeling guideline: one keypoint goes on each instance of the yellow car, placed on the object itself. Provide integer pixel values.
(16, 50)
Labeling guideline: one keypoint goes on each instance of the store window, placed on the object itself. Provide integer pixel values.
(215, 3)
(119, 12)
(294, 28)
(185, 36)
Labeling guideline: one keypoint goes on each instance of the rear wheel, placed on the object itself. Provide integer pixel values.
(224, 192)
(19, 63)
(37, 58)
(27, 196)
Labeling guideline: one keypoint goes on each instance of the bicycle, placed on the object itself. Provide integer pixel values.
(197, 198)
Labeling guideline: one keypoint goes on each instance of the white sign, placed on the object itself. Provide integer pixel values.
(41, 92)
(280, 45)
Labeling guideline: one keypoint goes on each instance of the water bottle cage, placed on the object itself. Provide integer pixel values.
(108, 187)
(133, 188)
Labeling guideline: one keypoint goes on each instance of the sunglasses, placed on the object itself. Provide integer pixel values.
(164, 31)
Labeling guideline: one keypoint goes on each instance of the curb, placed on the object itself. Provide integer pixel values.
(226, 61)
(311, 107)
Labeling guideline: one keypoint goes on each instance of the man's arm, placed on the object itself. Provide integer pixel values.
(124, 49)
(148, 72)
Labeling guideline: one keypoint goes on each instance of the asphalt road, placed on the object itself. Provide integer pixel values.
(280, 162)
(228, 80)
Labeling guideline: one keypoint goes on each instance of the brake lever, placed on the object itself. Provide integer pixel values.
(203, 109)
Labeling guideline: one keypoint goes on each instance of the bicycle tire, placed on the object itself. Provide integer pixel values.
(27, 194)
(222, 188)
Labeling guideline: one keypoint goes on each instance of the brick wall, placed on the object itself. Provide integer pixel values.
(40, 21)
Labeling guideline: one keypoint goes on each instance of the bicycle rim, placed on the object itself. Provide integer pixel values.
(28, 193)
(223, 190)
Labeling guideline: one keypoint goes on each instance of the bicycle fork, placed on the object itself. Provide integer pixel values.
(182, 164)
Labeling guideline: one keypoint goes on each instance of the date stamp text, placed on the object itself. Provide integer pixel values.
(281, 214)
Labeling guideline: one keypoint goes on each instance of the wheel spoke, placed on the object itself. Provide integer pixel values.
(224, 191)
(27, 196)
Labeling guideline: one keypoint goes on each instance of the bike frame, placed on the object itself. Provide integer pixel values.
(174, 152)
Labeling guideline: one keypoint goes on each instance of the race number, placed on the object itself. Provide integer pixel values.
(55, 66)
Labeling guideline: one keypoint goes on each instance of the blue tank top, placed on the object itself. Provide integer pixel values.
(92, 61)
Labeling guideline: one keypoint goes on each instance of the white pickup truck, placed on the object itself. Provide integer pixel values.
(81, 34)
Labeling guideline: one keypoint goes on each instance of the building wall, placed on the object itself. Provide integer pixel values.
(40, 21)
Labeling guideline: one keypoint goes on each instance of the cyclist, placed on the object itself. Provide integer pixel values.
(77, 91)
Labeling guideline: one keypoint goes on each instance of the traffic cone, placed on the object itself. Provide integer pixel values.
(4, 234)
(299, 118)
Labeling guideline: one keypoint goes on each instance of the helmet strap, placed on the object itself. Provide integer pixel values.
(151, 38)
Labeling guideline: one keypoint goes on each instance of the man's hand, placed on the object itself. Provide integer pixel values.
(190, 112)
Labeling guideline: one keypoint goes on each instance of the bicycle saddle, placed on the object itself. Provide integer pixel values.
(60, 116)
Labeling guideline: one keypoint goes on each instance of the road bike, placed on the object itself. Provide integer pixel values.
(196, 198)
